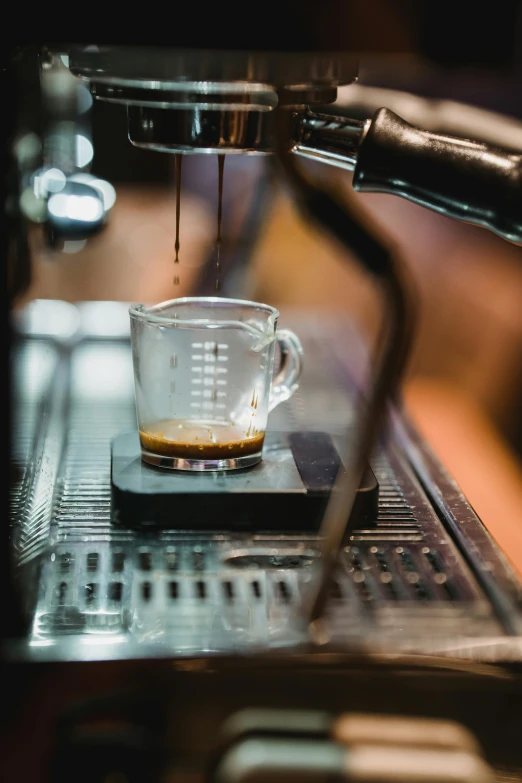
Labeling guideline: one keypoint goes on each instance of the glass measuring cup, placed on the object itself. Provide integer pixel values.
(203, 378)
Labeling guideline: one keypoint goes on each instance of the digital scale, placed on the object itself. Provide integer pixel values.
(288, 490)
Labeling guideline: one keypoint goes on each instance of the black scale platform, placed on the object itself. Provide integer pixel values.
(287, 491)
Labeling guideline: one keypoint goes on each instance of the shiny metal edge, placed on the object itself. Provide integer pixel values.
(485, 558)
(283, 69)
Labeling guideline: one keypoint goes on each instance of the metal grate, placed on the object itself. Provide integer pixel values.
(396, 520)
(401, 577)
(402, 574)
(189, 594)
(83, 497)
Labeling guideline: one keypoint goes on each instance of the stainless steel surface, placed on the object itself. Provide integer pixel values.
(232, 128)
(231, 96)
(355, 746)
(97, 592)
(491, 566)
(135, 65)
(201, 130)
(261, 759)
(329, 139)
(194, 101)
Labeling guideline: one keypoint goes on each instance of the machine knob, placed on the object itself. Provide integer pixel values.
(76, 212)
(70, 207)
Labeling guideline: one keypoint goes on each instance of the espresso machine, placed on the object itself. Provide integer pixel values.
(377, 638)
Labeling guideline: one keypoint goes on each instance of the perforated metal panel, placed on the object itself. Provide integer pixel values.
(105, 592)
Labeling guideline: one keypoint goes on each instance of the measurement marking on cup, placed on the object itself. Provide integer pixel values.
(204, 366)
(172, 385)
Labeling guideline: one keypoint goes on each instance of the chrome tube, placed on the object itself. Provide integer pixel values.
(328, 139)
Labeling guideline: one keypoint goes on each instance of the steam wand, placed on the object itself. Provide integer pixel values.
(327, 210)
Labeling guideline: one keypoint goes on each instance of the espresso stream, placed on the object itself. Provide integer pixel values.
(199, 440)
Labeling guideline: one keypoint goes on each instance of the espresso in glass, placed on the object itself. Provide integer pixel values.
(203, 377)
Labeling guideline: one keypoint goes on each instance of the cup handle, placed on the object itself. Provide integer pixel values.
(286, 381)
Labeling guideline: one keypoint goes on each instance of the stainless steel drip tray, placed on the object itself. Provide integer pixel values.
(186, 596)
(422, 576)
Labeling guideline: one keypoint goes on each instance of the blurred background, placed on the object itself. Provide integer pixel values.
(464, 382)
